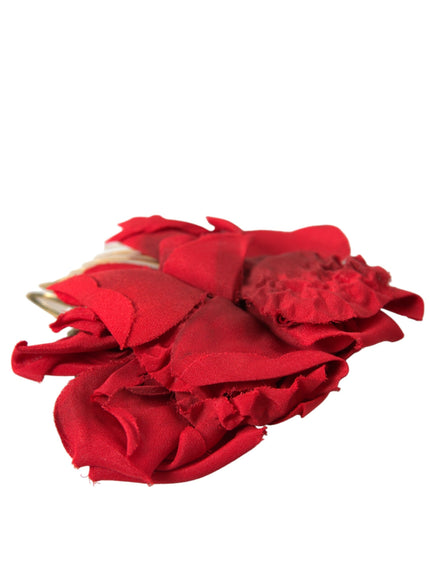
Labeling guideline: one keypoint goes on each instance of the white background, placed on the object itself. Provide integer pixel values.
(274, 115)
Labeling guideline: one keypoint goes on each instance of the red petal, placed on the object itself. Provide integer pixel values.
(146, 234)
(212, 262)
(66, 357)
(243, 440)
(136, 305)
(267, 405)
(167, 245)
(128, 434)
(405, 303)
(126, 376)
(204, 416)
(89, 434)
(302, 287)
(191, 447)
(350, 335)
(221, 225)
(80, 318)
(324, 240)
(222, 343)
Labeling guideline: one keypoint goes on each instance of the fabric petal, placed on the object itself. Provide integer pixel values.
(222, 343)
(89, 434)
(146, 234)
(66, 357)
(346, 337)
(303, 287)
(81, 319)
(324, 240)
(170, 243)
(405, 303)
(191, 447)
(242, 441)
(234, 447)
(221, 225)
(213, 263)
(119, 433)
(136, 305)
(268, 405)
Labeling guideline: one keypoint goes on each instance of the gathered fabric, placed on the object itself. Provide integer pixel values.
(180, 363)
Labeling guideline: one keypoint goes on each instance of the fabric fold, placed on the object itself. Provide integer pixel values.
(183, 351)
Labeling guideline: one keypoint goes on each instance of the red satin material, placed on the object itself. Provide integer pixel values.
(178, 371)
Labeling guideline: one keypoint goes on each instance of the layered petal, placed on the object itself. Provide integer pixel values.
(222, 343)
(268, 405)
(236, 445)
(67, 357)
(120, 431)
(147, 233)
(213, 262)
(324, 240)
(126, 436)
(302, 287)
(136, 305)
(342, 338)
(82, 319)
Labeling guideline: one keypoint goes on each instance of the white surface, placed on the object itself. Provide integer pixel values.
(274, 115)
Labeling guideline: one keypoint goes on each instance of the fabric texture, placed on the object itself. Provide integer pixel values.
(178, 371)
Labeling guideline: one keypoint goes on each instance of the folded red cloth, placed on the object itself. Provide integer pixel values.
(178, 370)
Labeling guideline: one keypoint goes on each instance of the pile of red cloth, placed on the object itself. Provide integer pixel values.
(179, 368)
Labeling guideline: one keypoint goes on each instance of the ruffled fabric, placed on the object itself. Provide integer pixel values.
(179, 370)
(303, 287)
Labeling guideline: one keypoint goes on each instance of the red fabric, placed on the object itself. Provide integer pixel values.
(325, 240)
(178, 371)
(146, 234)
(127, 299)
(341, 338)
(222, 343)
(107, 420)
(303, 287)
(213, 263)
(67, 357)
